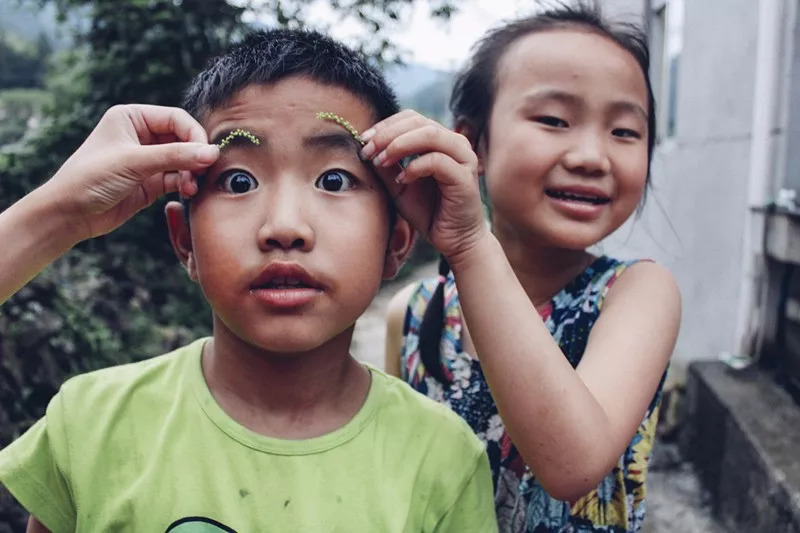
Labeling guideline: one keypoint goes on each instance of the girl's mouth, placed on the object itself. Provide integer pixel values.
(593, 199)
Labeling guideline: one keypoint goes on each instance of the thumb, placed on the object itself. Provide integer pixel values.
(153, 159)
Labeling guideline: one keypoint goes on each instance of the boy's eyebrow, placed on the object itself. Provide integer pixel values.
(339, 140)
(238, 141)
(335, 139)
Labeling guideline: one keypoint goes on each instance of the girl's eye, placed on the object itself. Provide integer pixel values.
(554, 122)
(335, 181)
(625, 133)
(238, 182)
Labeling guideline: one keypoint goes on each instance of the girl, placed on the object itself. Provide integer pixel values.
(559, 109)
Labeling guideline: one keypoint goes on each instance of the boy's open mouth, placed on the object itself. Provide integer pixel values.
(283, 282)
(285, 276)
(582, 196)
(286, 286)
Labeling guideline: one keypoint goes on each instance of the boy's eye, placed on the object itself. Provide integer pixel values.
(554, 122)
(626, 133)
(238, 182)
(335, 181)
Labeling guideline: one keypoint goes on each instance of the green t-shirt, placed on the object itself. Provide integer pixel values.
(145, 447)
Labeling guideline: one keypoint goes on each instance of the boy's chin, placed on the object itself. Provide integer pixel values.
(298, 345)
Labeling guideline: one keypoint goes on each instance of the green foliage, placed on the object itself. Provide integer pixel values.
(22, 63)
(122, 297)
(18, 107)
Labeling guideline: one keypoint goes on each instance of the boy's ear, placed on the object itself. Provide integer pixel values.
(401, 240)
(181, 237)
(469, 131)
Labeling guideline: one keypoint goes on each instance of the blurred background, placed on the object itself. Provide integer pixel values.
(721, 213)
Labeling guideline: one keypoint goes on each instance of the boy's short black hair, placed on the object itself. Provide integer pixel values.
(266, 57)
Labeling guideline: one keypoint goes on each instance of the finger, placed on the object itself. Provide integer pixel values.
(152, 120)
(388, 176)
(443, 169)
(169, 182)
(381, 138)
(428, 139)
(397, 117)
(188, 185)
(153, 188)
(145, 161)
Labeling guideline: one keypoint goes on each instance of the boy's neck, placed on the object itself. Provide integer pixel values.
(289, 396)
(543, 271)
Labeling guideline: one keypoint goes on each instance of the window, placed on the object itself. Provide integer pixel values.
(666, 42)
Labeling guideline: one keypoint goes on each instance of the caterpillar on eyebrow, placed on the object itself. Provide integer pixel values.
(324, 115)
(238, 133)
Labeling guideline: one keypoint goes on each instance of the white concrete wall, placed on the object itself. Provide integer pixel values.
(625, 9)
(693, 221)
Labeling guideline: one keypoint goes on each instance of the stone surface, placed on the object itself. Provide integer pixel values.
(742, 434)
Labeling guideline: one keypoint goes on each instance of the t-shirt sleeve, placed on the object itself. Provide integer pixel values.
(473, 510)
(33, 469)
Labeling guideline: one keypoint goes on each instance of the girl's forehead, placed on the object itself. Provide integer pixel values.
(568, 56)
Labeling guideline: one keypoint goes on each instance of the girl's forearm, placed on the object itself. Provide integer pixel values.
(554, 420)
(34, 233)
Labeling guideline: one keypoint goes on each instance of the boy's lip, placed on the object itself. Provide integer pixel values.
(285, 274)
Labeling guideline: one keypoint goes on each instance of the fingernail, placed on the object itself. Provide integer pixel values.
(367, 135)
(400, 178)
(380, 159)
(368, 150)
(207, 154)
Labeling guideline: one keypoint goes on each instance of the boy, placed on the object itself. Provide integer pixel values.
(270, 425)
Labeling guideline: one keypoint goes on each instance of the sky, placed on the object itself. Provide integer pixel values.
(445, 46)
(433, 43)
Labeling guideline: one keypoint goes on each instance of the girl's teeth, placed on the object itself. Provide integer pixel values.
(577, 198)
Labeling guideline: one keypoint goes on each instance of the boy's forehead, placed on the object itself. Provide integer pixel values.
(289, 104)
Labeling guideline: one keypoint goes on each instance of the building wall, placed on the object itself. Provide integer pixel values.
(694, 218)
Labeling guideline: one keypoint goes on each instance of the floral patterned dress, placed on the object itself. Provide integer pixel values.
(618, 502)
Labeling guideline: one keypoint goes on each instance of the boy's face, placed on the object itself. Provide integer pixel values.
(289, 239)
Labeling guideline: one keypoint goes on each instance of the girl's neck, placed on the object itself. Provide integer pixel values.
(542, 270)
(299, 395)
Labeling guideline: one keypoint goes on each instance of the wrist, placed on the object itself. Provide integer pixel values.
(483, 247)
(55, 225)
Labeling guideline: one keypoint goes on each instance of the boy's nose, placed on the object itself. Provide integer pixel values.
(588, 155)
(286, 225)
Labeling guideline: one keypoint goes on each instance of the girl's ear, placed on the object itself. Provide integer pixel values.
(401, 241)
(469, 131)
(181, 237)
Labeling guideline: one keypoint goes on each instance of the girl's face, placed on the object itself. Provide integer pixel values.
(566, 158)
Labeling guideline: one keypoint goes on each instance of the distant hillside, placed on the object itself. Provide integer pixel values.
(423, 89)
(408, 79)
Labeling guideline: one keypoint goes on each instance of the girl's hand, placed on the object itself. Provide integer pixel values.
(135, 154)
(438, 191)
